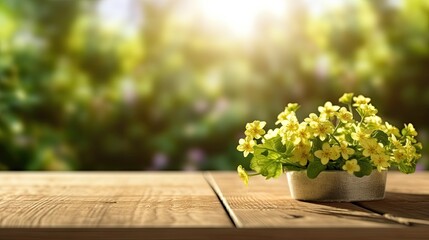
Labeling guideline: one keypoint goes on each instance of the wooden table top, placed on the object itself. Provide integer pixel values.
(199, 205)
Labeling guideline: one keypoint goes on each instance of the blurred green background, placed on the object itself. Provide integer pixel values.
(170, 84)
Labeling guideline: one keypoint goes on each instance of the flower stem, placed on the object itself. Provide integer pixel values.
(336, 140)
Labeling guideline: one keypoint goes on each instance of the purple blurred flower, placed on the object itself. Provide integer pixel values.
(159, 161)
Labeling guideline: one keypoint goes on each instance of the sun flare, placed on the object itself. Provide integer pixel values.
(239, 17)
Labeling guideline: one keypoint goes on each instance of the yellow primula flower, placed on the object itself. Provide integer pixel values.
(410, 150)
(292, 107)
(391, 129)
(346, 98)
(344, 116)
(345, 151)
(409, 130)
(367, 110)
(351, 166)
(255, 129)
(289, 110)
(323, 129)
(291, 124)
(328, 110)
(361, 135)
(243, 175)
(359, 100)
(246, 145)
(395, 142)
(271, 133)
(399, 155)
(381, 161)
(303, 134)
(335, 152)
(375, 121)
(327, 153)
(313, 120)
(302, 154)
(371, 147)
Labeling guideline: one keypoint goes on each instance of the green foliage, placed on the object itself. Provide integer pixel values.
(269, 158)
(314, 168)
(381, 137)
(365, 168)
(78, 93)
(407, 168)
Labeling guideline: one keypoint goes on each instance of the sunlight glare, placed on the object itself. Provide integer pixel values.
(238, 17)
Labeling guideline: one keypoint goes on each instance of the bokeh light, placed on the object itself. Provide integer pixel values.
(170, 84)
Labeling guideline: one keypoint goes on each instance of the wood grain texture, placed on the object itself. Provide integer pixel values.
(407, 199)
(97, 199)
(268, 204)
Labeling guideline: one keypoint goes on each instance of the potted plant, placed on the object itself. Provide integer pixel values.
(339, 154)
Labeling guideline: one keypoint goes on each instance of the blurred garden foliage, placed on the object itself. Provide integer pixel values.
(159, 89)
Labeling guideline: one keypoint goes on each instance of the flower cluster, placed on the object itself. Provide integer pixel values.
(330, 140)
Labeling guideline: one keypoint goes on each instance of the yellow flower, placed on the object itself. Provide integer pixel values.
(399, 155)
(246, 146)
(271, 133)
(361, 135)
(243, 175)
(291, 124)
(345, 151)
(302, 134)
(351, 166)
(345, 116)
(328, 110)
(367, 110)
(301, 154)
(327, 152)
(255, 129)
(395, 142)
(323, 129)
(290, 109)
(313, 120)
(391, 130)
(346, 98)
(374, 121)
(371, 147)
(409, 130)
(381, 161)
(410, 150)
(359, 100)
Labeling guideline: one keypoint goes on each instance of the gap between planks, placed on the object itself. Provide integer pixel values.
(229, 212)
(408, 222)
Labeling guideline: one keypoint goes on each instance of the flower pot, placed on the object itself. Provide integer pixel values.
(337, 186)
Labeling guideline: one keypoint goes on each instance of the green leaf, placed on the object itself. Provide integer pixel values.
(365, 168)
(317, 144)
(275, 144)
(381, 137)
(266, 167)
(407, 168)
(291, 167)
(349, 138)
(314, 168)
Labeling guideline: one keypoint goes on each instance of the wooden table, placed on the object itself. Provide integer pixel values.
(198, 205)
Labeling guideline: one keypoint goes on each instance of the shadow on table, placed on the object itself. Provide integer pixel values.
(414, 208)
(403, 205)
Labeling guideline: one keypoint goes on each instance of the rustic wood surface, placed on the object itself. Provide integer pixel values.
(211, 205)
(268, 204)
(109, 200)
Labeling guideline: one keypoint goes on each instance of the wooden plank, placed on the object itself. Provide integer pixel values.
(212, 233)
(100, 199)
(268, 204)
(407, 199)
